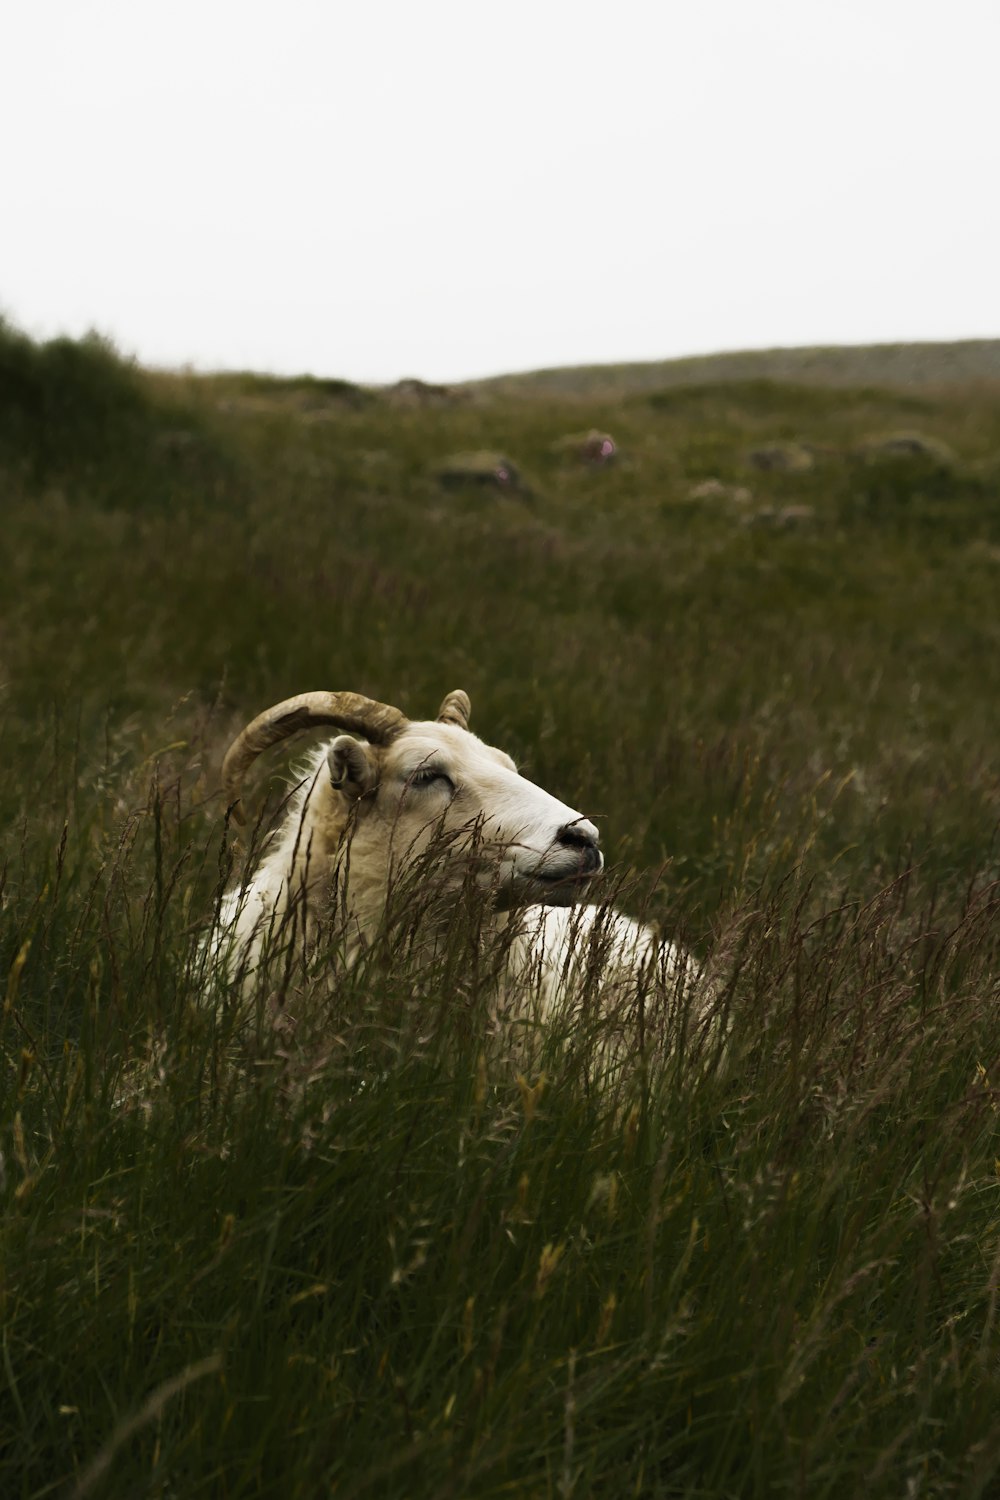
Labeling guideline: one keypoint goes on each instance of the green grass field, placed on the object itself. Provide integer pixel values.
(326, 1241)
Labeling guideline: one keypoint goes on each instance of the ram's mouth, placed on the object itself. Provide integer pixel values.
(558, 884)
(549, 883)
(560, 888)
(564, 878)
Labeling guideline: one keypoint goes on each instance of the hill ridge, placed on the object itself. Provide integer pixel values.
(924, 363)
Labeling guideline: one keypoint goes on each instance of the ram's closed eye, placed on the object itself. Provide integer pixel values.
(430, 777)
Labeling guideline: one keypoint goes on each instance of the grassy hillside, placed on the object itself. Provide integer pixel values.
(966, 361)
(325, 1241)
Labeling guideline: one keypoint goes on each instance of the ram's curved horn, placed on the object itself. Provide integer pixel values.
(376, 722)
(456, 709)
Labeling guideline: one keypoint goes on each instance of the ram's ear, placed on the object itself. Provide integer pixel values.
(353, 767)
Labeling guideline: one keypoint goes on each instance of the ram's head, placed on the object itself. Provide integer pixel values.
(393, 785)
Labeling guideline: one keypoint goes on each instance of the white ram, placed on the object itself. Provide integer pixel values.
(388, 797)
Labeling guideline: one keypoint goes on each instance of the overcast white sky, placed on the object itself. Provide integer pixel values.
(449, 188)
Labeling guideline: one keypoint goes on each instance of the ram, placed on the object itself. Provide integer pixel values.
(388, 799)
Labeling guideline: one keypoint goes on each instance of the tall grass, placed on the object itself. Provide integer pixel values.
(325, 1236)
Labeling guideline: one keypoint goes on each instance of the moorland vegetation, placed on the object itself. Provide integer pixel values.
(331, 1241)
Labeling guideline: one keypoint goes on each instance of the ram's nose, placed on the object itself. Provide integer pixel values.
(583, 838)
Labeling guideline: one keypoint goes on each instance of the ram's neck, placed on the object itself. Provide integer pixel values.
(415, 908)
(296, 891)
